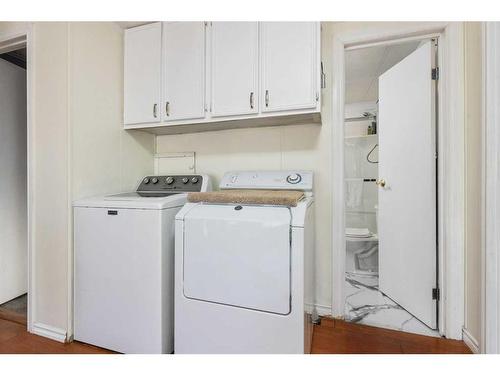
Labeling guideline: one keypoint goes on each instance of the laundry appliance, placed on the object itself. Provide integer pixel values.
(244, 260)
(124, 265)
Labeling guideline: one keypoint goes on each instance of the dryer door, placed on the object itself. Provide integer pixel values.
(239, 256)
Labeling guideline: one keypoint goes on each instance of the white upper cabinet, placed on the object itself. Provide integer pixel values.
(289, 65)
(183, 71)
(234, 68)
(188, 73)
(142, 66)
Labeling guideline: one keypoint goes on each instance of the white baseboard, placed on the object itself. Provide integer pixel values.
(470, 341)
(324, 310)
(49, 332)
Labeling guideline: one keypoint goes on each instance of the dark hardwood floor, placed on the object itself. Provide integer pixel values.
(14, 339)
(334, 336)
(15, 310)
(331, 337)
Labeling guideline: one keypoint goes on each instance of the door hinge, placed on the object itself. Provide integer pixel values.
(435, 74)
(435, 294)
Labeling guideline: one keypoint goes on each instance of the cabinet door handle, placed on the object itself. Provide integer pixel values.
(251, 100)
(155, 107)
(267, 98)
(167, 108)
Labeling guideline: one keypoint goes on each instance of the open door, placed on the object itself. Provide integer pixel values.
(407, 185)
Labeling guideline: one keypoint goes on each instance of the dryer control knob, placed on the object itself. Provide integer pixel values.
(146, 180)
(154, 180)
(185, 180)
(294, 178)
(194, 180)
(169, 180)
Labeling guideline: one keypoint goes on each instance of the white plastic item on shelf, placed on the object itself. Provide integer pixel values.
(358, 232)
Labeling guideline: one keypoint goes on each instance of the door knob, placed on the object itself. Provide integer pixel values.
(380, 182)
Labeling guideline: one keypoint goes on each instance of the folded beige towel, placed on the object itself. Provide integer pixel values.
(271, 197)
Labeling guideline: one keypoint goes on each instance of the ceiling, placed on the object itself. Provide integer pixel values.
(364, 66)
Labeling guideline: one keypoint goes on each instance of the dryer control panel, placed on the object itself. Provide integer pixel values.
(270, 180)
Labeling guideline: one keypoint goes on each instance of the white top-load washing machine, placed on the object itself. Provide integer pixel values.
(124, 265)
(244, 272)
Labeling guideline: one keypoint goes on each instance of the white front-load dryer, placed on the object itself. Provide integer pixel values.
(244, 272)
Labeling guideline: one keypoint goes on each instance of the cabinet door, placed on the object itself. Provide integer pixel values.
(289, 65)
(184, 71)
(142, 67)
(234, 47)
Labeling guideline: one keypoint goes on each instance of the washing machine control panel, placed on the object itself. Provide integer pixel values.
(177, 183)
(274, 180)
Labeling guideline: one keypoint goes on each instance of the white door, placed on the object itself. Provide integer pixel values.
(289, 65)
(234, 68)
(184, 71)
(13, 188)
(238, 256)
(142, 81)
(407, 202)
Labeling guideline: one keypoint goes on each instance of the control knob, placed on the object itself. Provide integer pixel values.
(146, 180)
(294, 178)
(154, 180)
(169, 180)
(185, 180)
(194, 180)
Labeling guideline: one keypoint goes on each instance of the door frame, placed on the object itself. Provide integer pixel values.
(451, 146)
(490, 341)
(11, 42)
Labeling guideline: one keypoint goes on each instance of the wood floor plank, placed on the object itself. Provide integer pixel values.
(13, 316)
(335, 336)
(9, 329)
(334, 341)
(331, 337)
(15, 339)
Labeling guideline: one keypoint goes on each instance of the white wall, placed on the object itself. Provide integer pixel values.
(76, 137)
(284, 147)
(103, 157)
(13, 192)
(78, 147)
(9, 29)
(473, 188)
(50, 176)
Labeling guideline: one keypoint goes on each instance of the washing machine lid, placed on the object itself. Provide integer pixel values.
(238, 256)
(136, 195)
(133, 200)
